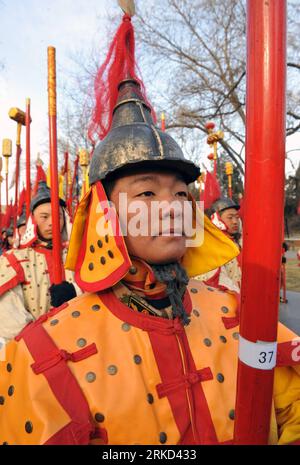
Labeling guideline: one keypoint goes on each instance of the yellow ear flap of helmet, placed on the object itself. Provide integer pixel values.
(215, 249)
(98, 253)
(78, 231)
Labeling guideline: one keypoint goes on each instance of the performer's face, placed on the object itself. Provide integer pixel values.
(160, 239)
(43, 217)
(22, 230)
(231, 218)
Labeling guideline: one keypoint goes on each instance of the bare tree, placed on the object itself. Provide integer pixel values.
(193, 57)
(203, 46)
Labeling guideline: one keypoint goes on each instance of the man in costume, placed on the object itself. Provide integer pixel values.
(10, 238)
(20, 229)
(225, 215)
(26, 289)
(21, 225)
(3, 240)
(140, 328)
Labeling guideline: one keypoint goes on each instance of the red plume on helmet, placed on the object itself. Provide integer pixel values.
(40, 176)
(119, 64)
(21, 203)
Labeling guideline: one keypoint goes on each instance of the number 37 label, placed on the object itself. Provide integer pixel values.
(266, 357)
(261, 355)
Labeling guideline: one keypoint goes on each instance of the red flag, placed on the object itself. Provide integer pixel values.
(212, 191)
(119, 64)
(6, 220)
(40, 176)
(66, 163)
(21, 202)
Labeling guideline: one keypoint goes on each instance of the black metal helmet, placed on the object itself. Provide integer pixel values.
(21, 221)
(43, 195)
(135, 142)
(223, 204)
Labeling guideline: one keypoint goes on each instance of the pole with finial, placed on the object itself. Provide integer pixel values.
(56, 237)
(264, 189)
(28, 184)
(19, 117)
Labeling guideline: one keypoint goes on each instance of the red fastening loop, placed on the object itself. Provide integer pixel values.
(66, 355)
(187, 380)
(230, 322)
(57, 356)
(177, 326)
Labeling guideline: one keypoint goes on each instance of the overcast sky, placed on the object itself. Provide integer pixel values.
(28, 27)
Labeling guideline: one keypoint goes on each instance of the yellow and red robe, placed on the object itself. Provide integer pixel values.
(25, 277)
(96, 371)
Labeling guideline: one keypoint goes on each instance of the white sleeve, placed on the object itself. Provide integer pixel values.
(13, 314)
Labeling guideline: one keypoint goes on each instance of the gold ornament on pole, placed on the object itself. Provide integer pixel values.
(229, 172)
(19, 117)
(213, 138)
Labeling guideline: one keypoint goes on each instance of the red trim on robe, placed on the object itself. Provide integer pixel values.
(214, 280)
(230, 321)
(143, 321)
(164, 335)
(50, 263)
(203, 420)
(18, 279)
(65, 388)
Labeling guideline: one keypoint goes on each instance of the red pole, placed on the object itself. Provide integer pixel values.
(6, 187)
(73, 185)
(18, 155)
(57, 270)
(263, 216)
(28, 185)
(163, 122)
